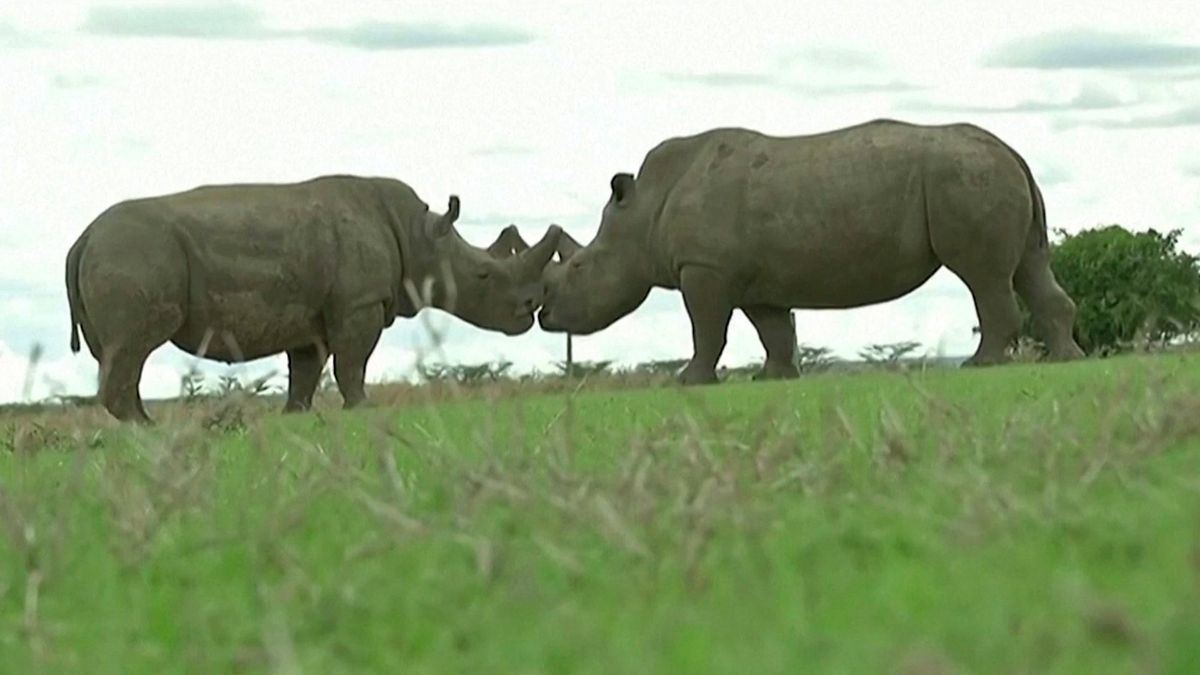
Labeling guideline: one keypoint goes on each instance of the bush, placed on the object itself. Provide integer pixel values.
(1127, 287)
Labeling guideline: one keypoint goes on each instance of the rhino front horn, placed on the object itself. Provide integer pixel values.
(540, 253)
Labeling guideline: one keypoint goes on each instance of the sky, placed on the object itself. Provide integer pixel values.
(526, 110)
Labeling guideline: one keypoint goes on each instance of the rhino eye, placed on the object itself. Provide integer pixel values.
(482, 274)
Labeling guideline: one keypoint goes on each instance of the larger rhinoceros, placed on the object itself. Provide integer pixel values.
(856, 216)
(314, 268)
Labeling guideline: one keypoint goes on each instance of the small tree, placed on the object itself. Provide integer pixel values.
(465, 373)
(888, 354)
(1127, 286)
(228, 384)
(191, 383)
(475, 373)
(811, 359)
(661, 367)
(434, 372)
(584, 368)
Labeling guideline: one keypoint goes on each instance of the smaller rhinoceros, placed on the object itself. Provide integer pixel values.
(856, 216)
(313, 269)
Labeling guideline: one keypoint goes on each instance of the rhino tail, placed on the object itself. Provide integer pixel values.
(1040, 229)
(1038, 216)
(73, 302)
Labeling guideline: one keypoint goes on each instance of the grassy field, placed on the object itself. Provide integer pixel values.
(1025, 519)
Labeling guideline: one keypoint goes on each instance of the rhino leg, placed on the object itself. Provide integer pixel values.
(705, 294)
(987, 268)
(127, 334)
(1052, 309)
(778, 337)
(999, 321)
(351, 348)
(120, 373)
(304, 373)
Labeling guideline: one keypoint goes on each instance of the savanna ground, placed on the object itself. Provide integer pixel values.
(1030, 518)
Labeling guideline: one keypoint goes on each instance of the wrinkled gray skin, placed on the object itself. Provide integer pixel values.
(856, 216)
(313, 269)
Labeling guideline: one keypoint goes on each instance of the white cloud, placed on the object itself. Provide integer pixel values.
(587, 98)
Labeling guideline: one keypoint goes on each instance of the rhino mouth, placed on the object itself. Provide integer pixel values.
(521, 322)
(549, 322)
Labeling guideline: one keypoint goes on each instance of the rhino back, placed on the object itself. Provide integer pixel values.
(822, 220)
(279, 263)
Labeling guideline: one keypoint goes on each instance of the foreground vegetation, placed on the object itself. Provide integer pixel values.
(1029, 518)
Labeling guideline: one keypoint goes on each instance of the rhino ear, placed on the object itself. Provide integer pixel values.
(622, 187)
(441, 227)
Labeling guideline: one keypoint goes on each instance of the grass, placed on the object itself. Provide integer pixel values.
(1031, 518)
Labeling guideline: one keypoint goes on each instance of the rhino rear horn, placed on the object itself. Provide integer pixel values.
(622, 185)
(567, 246)
(442, 226)
(508, 243)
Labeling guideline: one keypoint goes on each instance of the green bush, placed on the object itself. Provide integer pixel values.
(1127, 286)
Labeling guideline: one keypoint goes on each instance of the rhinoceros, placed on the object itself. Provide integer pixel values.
(855, 216)
(313, 268)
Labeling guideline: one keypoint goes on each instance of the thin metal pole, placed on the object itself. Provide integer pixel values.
(795, 339)
(570, 357)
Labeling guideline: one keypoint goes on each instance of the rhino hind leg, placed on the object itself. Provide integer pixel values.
(304, 374)
(1052, 309)
(999, 320)
(352, 348)
(987, 270)
(126, 336)
(120, 374)
(706, 298)
(778, 337)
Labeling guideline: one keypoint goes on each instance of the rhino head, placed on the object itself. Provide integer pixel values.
(590, 287)
(496, 288)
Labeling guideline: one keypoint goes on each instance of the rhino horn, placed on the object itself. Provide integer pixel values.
(567, 246)
(442, 226)
(508, 243)
(539, 254)
(622, 185)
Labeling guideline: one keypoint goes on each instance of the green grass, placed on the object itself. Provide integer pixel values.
(1037, 519)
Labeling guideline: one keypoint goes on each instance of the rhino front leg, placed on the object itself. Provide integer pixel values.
(351, 350)
(706, 295)
(304, 373)
(778, 337)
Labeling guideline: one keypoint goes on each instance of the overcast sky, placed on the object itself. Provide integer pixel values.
(527, 109)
